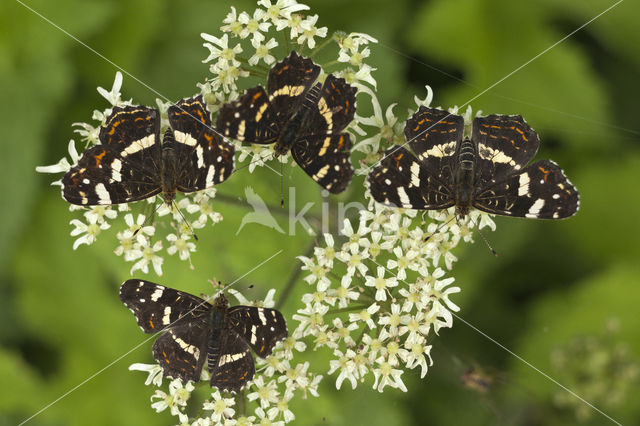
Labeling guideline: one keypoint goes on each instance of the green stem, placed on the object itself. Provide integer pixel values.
(321, 46)
(293, 278)
(347, 309)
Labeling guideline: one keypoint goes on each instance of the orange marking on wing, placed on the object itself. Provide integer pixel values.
(340, 142)
(166, 358)
(98, 158)
(244, 375)
(151, 322)
(398, 158)
(113, 126)
(262, 348)
(256, 96)
(546, 172)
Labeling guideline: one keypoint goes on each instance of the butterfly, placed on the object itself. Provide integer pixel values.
(299, 116)
(132, 163)
(489, 171)
(195, 331)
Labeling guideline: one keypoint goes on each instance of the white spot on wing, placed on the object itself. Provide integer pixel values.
(404, 198)
(415, 174)
(199, 154)
(210, 175)
(103, 194)
(184, 138)
(534, 210)
(263, 319)
(253, 334)
(139, 145)
(166, 319)
(523, 181)
(157, 294)
(116, 167)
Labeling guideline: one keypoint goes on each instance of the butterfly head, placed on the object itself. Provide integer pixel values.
(221, 302)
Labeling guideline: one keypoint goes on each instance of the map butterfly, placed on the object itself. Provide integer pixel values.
(195, 332)
(132, 163)
(488, 171)
(297, 115)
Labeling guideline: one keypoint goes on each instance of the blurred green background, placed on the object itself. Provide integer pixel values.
(553, 282)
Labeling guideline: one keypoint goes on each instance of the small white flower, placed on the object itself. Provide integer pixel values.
(386, 375)
(221, 407)
(365, 315)
(281, 9)
(220, 50)
(88, 231)
(344, 363)
(267, 393)
(63, 165)
(254, 25)
(154, 370)
(181, 245)
(310, 31)
(233, 25)
(262, 51)
(113, 96)
(149, 256)
(380, 283)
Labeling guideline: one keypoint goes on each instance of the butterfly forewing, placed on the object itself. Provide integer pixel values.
(261, 328)
(433, 136)
(505, 143)
(288, 82)
(157, 307)
(334, 109)
(400, 180)
(124, 166)
(205, 159)
(249, 119)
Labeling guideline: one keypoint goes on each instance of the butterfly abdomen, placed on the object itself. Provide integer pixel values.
(465, 177)
(290, 132)
(218, 325)
(168, 169)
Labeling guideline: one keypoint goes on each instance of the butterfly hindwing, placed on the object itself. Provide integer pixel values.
(326, 160)
(182, 350)
(233, 365)
(541, 190)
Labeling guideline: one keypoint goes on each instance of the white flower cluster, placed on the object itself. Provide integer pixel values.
(378, 295)
(277, 380)
(247, 48)
(139, 242)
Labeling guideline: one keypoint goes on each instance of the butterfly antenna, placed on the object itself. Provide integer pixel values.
(146, 220)
(438, 229)
(175, 205)
(493, 252)
(281, 185)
